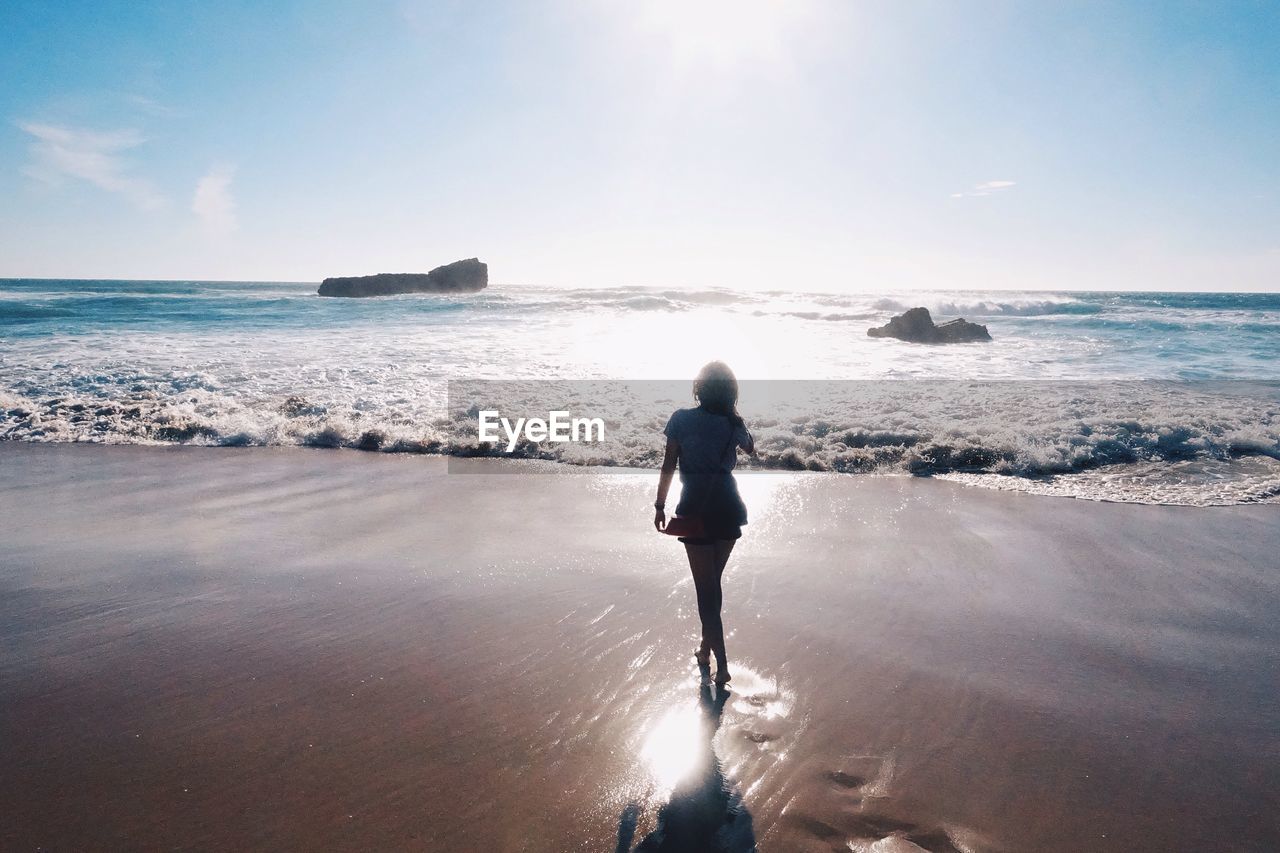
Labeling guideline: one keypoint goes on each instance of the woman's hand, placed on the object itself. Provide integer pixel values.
(669, 460)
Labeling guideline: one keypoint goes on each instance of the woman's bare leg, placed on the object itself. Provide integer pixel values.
(707, 563)
(724, 547)
(706, 583)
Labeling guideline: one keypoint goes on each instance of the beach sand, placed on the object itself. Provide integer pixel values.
(229, 649)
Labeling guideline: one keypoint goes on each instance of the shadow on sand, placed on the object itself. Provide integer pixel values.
(704, 813)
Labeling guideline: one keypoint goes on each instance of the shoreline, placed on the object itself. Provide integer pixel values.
(252, 647)
(1042, 485)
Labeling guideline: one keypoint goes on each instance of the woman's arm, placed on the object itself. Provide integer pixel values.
(748, 447)
(664, 482)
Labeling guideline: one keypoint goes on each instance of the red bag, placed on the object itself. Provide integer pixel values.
(685, 525)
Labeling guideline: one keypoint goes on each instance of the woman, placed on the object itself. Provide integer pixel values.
(704, 441)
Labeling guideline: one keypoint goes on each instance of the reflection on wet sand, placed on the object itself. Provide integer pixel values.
(703, 810)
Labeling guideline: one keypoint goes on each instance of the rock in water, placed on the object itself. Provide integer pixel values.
(918, 327)
(458, 277)
(961, 331)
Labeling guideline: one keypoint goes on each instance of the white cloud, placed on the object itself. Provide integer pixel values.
(213, 203)
(985, 188)
(89, 155)
(150, 106)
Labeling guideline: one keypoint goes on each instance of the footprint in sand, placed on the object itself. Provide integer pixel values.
(763, 708)
(843, 808)
(872, 833)
(894, 844)
(846, 780)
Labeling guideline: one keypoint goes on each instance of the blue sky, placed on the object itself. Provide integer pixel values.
(811, 144)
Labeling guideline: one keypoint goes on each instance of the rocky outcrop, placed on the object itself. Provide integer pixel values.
(458, 277)
(918, 327)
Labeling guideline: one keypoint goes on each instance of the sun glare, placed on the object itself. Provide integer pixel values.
(720, 33)
(673, 747)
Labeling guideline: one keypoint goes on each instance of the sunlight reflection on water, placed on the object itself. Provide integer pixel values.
(760, 490)
(672, 749)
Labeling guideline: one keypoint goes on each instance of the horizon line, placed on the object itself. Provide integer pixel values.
(683, 286)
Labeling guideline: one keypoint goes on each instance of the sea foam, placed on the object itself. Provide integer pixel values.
(272, 364)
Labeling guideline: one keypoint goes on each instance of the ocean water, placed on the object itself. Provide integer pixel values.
(1152, 397)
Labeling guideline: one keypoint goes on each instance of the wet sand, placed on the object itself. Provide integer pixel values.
(218, 649)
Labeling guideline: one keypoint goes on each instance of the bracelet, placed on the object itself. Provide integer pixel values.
(659, 505)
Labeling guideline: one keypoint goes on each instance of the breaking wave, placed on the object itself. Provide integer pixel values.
(271, 363)
(992, 308)
(1220, 441)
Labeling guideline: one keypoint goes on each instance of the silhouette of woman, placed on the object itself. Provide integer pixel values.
(704, 442)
